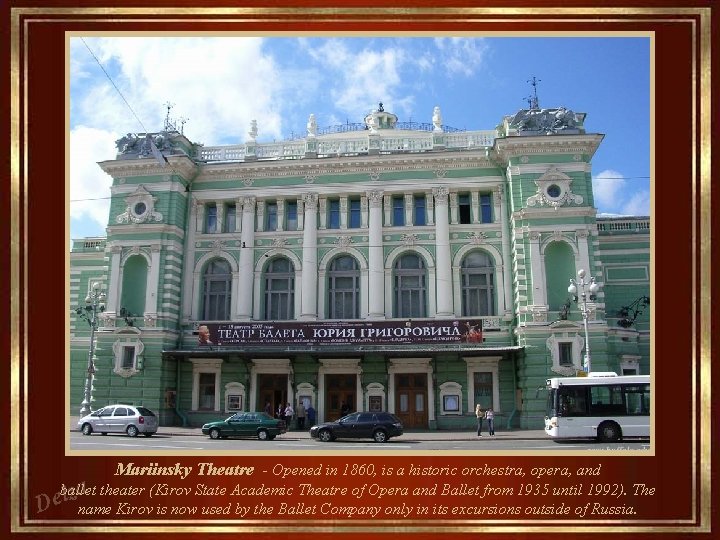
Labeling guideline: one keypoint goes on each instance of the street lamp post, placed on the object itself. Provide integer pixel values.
(584, 288)
(94, 305)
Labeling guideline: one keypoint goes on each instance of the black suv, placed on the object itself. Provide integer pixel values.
(379, 426)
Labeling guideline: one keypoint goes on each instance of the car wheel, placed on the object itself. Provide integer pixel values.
(132, 431)
(214, 433)
(148, 434)
(609, 432)
(86, 429)
(104, 433)
(325, 435)
(380, 436)
(262, 435)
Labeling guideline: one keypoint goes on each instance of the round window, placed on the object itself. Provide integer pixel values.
(140, 208)
(554, 191)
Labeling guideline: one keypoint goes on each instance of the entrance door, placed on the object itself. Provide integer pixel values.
(411, 399)
(339, 395)
(272, 388)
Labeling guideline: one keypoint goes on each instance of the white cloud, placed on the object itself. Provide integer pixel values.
(90, 186)
(607, 186)
(638, 204)
(461, 56)
(218, 84)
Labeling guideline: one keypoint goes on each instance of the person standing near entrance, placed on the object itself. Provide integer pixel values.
(490, 416)
(300, 414)
(479, 413)
(268, 408)
(288, 415)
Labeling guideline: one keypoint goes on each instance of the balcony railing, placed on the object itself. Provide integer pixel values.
(351, 144)
(623, 225)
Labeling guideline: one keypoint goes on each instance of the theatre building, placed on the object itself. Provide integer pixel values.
(407, 267)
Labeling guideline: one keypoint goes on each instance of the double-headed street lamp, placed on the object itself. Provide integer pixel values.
(584, 288)
(94, 305)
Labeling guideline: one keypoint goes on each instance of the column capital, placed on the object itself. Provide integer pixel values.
(375, 197)
(310, 201)
(441, 195)
(249, 203)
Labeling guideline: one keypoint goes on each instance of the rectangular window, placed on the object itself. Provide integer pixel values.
(606, 400)
(206, 389)
(485, 209)
(420, 218)
(230, 218)
(291, 215)
(333, 221)
(128, 358)
(211, 218)
(483, 381)
(451, 403)
(375, 403)
(464, 208)
(234, 402)
(565, 353)
(398, 210)
(354, 221)
(271, 217)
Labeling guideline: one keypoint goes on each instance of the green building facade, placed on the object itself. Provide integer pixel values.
(387, 230)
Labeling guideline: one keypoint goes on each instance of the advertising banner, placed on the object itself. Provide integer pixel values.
(341, 333)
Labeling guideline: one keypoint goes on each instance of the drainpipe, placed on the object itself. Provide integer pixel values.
(181, 414)
(515, 410)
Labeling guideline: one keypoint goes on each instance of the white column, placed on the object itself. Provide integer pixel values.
(503, 211)
(583, 253)
(151, 292)
(220, 209)
(376, 281)
(188, 282)
(238, 214)
(114, 281)
(246, 270)
(443, 263)
(538, 283)
(308, 310)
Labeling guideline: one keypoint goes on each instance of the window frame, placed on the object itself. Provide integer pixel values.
(332, 290)
(418, 308)
(272, 295)
(469, 292)
(207, 279)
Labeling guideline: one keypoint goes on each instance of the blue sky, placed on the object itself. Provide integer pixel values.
(220, 84)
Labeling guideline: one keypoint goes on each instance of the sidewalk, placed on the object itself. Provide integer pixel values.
(409, 435)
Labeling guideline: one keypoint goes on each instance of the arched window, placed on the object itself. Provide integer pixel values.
(478, 288)
(410, 287)
(279, 290)
(134, 285)
(344, 288)
(217, 283)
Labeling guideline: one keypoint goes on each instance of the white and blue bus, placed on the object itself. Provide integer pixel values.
(602, 405)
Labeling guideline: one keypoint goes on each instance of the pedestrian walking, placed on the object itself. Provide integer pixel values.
(288, 415)
(479, 414)
(311, 415)
(490, 417)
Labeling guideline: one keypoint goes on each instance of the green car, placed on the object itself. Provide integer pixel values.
(246, 424)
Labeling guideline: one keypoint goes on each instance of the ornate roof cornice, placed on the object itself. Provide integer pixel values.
(180, 165)
(370, 165)
(510, 147)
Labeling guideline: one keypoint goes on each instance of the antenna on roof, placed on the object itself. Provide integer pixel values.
(533, 100)
(169, 106)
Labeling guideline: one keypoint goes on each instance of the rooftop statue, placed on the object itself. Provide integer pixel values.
(126, 144)
(544, 120)
(437, 119)
(312, 126)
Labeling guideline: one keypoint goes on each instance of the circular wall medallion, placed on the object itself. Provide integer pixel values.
(554, 191)
(140, 208)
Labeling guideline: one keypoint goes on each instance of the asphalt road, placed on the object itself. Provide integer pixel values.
(160, 443)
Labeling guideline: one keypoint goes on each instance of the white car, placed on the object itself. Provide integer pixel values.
(120, 419)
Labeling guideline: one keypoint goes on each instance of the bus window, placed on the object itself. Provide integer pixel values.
(606, 400)
(573, 400)
(637, 399)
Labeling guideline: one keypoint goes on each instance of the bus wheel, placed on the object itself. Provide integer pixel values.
(609, 432)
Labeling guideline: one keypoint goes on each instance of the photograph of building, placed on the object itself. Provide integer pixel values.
(411, 267)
